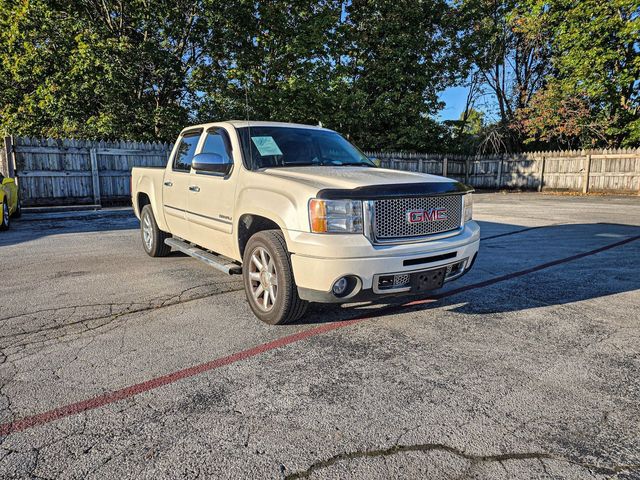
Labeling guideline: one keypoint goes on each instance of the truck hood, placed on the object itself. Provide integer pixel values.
(346, 178)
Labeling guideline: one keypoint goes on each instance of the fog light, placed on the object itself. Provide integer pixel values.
(340, 286)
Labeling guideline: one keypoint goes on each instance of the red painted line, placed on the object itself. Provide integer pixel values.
(117, 395)
(127, 392)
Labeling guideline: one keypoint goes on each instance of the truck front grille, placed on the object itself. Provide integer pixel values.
(391, 217)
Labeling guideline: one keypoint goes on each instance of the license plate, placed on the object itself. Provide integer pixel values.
(429, 280)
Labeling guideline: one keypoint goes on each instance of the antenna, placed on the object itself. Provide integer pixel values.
(246, 103)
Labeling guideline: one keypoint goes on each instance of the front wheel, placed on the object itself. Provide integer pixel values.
(152, 237)
(4, 225)
(268, 279)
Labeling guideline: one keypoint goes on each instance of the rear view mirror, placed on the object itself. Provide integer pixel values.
(212, 163)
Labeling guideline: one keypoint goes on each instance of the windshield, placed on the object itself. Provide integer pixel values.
(294, 147)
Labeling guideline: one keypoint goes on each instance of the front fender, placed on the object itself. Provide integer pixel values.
(280, 207)
(9, 192)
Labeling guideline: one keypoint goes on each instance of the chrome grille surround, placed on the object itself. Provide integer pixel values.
(386, 219)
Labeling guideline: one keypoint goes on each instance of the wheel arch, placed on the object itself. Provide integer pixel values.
(251, 223)
(142, 199)
(146, 194)
(275, 209)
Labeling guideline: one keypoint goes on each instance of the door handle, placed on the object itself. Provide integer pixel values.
(168, 184)
(194, 188)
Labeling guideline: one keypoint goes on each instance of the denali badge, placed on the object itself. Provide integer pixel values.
(430, 215)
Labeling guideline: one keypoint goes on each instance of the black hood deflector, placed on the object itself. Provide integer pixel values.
(395, 190)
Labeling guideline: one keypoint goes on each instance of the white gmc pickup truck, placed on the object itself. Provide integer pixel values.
(304, 216)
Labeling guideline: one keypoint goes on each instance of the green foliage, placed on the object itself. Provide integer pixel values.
(592, 96)
(560, 72)
(509, 63)
(399, 54)
(370, 69)
(97, 69)
(90, 68)
(467, 133)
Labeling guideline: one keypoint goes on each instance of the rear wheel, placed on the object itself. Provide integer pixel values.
(152, 237)
(5, 216)
(268, 279)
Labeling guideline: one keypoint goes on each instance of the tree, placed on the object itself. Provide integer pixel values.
(396, 56)
(142, 69)
(467, 133)
(510, 64)
(370, 69)
(94, 68)
(592, 96)
(274, 56)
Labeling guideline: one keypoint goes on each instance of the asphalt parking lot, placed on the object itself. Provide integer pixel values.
(116, 365)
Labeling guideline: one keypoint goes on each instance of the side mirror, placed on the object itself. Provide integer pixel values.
(7, 180)
(212, 163)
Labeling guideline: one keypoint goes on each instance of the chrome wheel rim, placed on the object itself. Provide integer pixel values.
(263, 279)
(147, 232)
(5, 214)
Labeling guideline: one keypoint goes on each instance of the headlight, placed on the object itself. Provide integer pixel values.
(335, 216)
(468, 207)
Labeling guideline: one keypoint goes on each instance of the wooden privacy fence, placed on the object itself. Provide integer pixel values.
(612, 171)
(75, 172)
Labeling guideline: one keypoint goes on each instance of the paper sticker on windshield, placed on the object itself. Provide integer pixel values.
(266, 146)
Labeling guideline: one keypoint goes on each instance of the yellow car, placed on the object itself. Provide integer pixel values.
(9, 201)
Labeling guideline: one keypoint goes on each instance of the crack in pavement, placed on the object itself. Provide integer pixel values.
(57, 309)
(88, 324)
(474, 459)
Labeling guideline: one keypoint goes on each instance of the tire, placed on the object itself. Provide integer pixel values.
(18, 212)
(152, 237)
(270, 247)
(5, 220)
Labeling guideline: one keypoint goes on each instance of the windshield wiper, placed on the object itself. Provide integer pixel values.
(354, 164)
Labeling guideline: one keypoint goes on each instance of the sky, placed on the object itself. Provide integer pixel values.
(454, 99)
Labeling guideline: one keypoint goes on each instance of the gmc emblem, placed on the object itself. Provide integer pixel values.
(430, 215)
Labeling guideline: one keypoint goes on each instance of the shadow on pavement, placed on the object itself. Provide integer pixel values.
(505, 249)
(33, 226)
(508, 256)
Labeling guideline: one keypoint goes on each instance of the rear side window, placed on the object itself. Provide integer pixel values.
(186, 150)
(217, 141)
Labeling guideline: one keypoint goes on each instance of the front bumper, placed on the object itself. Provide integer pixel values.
(315, 275)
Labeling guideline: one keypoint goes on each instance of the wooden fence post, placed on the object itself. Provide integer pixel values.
(10, 156)
(638, 168)
(541, 181)
(4, 162)
(467, 170)
(445, 166)
(420, 165)
(585, 178)
(95, 176)
(499, 179)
